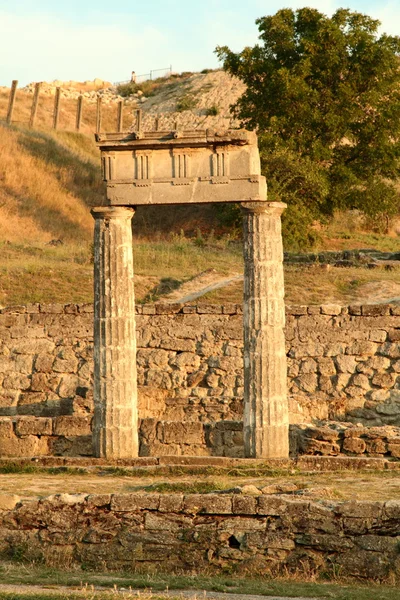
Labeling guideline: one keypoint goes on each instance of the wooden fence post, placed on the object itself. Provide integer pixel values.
(138, 120)
(34, 104)
(11, 101)
(98, 115)
(79, 112)
(119, 116)
(56, 108)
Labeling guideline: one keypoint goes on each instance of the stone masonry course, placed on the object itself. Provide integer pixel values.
(235, 533)
(343, 365)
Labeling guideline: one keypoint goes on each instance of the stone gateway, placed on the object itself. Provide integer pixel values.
(176, 167)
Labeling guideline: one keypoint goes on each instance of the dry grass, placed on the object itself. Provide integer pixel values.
(346, 485)
(67, 115)
(320, 286)
(48, 182)
(89, 585)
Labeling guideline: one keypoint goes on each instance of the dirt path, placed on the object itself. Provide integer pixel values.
(202, 284)
(373, 292)
(383, 485)
(91, 592)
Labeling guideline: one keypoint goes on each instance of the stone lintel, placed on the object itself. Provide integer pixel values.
(181, 167)
(175, 138)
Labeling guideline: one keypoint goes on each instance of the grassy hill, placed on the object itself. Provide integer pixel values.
(50, 179)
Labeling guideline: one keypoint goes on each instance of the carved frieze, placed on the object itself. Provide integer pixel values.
(181, 167)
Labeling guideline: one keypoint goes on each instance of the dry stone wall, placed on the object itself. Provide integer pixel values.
(343, 364)
(213, 532)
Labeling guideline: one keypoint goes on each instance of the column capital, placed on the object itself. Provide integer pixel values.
(112, 212)
(270, 208)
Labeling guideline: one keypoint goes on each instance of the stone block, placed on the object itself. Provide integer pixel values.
(8, 501)
(167, 308)
(148, 309)
(384, 379)
(378, 335)
(377, 446)
(394, 449)
(330, 309)
(187, 433)
(360, 510)
(77, 446)
(33, 426)
(134, 502)
(99, 500)
(378, 543)
(16, 381)
(27, 446)
(313, 446)
(362, 348)
(244, 505)
(72, 425)
(43, 364)
(354, 445)
(271, 506)
(171, 503)
(51, 308)
(325, 542)
(296, 311)
(151, 401)
(209, 309)
(216, 504)
(393, 335)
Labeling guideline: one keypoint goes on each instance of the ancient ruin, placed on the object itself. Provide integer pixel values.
(175, 167)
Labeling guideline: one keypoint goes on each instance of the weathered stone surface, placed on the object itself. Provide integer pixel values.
(201, 533)
(71, 425)
(265, 416)
(8, 501)
(199, 158)
(134, 502)
(213, 392)
(115, 432)
(207, 504)
(33, 426)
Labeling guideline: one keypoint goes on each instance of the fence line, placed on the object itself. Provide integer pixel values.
(146, 76)
(56, 110)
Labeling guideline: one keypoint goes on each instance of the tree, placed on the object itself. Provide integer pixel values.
(324, 95)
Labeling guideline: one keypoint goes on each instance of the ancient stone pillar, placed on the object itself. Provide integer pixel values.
(115, 431)
(266, 420)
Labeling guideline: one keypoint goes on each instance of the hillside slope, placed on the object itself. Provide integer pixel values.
(50, 179)
(199, 101)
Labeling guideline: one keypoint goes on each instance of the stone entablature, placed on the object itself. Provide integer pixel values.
(175, 167)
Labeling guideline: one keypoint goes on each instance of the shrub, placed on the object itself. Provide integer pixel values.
(127, 89)
(213, 111)
(186, 103)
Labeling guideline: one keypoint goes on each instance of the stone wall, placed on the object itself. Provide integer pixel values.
(343, 364)
(213, 532)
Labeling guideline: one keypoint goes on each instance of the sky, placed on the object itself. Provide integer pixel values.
(43, 40)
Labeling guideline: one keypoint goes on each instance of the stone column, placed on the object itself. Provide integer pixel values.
(266, 422)
(115, 431)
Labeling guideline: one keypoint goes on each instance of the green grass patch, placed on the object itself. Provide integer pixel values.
(12, 468)
(185, 487)
(154, 584)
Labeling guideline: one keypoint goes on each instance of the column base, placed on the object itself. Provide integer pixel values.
(271, 441)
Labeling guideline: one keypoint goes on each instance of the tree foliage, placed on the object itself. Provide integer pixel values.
(324, 95)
